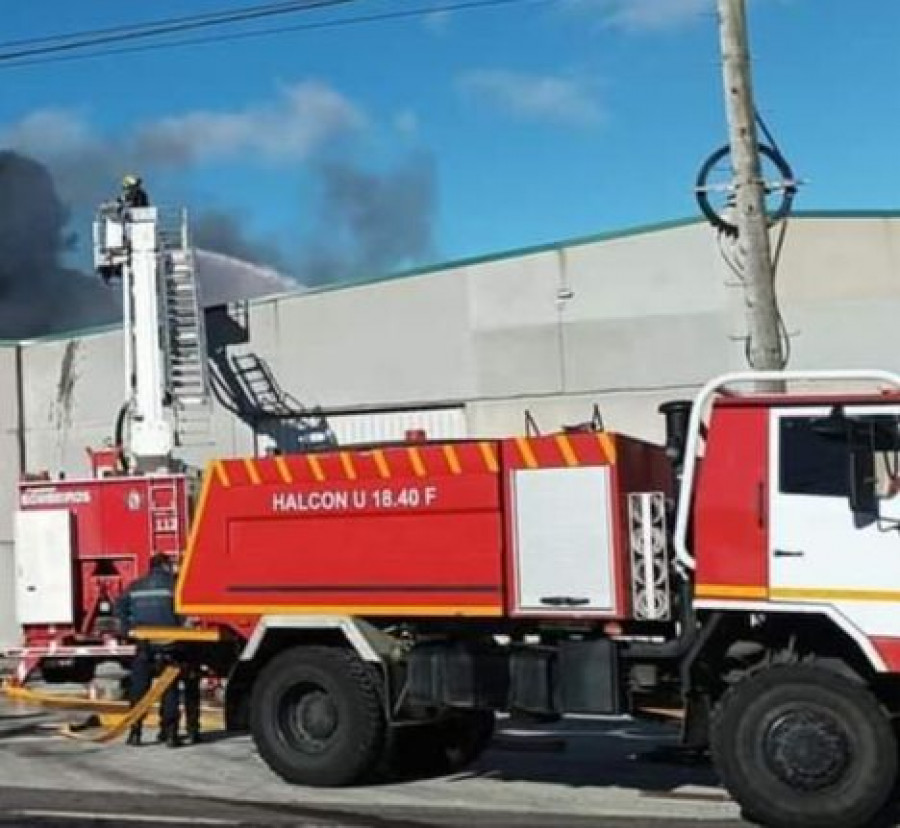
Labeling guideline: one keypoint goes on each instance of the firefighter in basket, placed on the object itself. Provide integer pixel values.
(133, 193)
(150, 602)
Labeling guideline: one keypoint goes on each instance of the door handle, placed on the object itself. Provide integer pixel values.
(565, 601)
(788, 553)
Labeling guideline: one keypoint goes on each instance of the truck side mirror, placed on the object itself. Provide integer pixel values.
(863, 484)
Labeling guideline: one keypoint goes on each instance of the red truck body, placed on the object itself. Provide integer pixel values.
(420, 530)
(81, 542)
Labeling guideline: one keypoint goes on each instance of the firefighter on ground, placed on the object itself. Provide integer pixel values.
(150, 602)
(133, 193)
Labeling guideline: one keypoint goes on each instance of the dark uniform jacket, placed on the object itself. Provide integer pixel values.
(148, 602)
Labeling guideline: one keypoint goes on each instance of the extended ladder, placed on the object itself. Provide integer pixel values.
(184, 340)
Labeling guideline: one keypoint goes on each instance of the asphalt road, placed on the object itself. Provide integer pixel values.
(588, 774)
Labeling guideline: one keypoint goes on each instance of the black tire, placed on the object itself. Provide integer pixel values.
(442, 747)
(465, 736)
(76, 671)
(800, 746)
(317, 716)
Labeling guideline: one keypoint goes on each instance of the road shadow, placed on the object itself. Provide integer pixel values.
(32, 725)
(627, 754)
(624, 754)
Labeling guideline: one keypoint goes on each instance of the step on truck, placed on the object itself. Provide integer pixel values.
(378, 605)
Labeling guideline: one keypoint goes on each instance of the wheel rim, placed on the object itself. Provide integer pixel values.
(807, 748)
(308, 718)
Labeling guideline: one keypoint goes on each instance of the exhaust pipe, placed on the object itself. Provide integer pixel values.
(677, 414)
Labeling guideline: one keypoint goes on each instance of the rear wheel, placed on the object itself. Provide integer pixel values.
(317, 717)
(68, 671)
(441, 747)
(465, 735)
(804, 747)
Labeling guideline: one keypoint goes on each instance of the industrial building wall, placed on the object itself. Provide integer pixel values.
(72, 392)
(624, 322)
(616, 323)
(9, 472)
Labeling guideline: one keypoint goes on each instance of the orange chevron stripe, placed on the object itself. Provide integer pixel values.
(347, 463)
(527, 452)
(315, 467)
(416, 459)
(252, 471)
(452, 459)
(284, 470)
(608, 444)
(490, 459)
(222, 474)
(381, 463)
(566, 449)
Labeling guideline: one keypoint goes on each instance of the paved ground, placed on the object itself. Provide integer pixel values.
(583, 774)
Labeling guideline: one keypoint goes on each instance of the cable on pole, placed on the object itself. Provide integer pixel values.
(84, 51)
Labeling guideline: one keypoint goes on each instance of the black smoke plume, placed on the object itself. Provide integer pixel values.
(222, 232)
(39, 294)
(370, 222)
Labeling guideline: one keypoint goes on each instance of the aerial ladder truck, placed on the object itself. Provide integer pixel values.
(81, 541)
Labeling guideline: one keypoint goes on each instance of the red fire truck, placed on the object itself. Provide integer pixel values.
(400, 595)
(382, 603)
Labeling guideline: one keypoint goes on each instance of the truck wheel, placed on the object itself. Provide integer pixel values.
(75, 671)
(803, 747)
(465, 736)
(442, 747)
(317, 717)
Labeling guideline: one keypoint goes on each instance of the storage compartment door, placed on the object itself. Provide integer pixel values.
(44, 567)
(563, 540)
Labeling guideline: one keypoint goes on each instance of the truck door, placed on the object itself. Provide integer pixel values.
(563, 540)
(43, 554)
(821, 551)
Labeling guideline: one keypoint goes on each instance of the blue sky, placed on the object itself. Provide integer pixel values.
(503, 127)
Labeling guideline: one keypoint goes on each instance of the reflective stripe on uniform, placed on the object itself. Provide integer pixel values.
(152, 593)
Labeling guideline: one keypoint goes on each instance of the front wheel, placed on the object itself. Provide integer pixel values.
(800, 746)
(317, 716)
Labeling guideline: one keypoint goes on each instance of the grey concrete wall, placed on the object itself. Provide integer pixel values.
(612, 316)
(624, 322)
(382, 344)
(9, 629)
(9, 447)
(9, 473)
(72, 393)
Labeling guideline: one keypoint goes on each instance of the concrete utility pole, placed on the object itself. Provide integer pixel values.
(765, 350)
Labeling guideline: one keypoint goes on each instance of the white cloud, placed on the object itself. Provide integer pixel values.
(307, 116)
(548, 98)
(49, 133)
(644, 15)
(303, 119)
(438, 21)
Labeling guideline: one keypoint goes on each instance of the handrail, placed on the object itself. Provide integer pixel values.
(719, 384)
